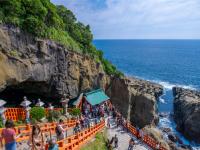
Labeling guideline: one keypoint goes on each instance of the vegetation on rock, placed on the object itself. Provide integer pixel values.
(43, 19)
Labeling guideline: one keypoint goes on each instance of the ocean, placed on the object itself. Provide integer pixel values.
(167, 62)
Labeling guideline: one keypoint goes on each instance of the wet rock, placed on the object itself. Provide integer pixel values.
(163, 115)
(186, 147)
(172, 137)
(166, 130)
(187, 112)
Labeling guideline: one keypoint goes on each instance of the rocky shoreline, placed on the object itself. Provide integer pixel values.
(187, 112)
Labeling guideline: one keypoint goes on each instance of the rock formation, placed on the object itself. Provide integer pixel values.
(44, 67)
(136, 99)
(187, 112)
(47, 69)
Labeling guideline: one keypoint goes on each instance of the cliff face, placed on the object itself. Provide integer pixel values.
(136, 99)
(48, 70)
(44, 67)
(187, 112)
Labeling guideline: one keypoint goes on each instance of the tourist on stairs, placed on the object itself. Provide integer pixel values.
(108, 122)
(116, 141)
(36, 139)
(9, 135)
(60, 132)
(131, 144)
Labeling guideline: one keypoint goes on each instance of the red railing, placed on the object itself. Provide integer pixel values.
(146, 139)
(45, 128)
(16, 114)
(75, 142)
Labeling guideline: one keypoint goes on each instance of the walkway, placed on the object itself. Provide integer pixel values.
(123, 138)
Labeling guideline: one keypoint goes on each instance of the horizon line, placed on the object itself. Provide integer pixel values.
(141, 39)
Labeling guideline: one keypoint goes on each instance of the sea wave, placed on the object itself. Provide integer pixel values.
(169, 86)
(162, 100)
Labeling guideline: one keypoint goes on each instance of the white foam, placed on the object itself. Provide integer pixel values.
(169, 86)
(162, 100)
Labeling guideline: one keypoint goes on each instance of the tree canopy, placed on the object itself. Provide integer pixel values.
(43, 19)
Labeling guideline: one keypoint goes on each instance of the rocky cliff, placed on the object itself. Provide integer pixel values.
(187, 112)
(47, 69)
(136, 99)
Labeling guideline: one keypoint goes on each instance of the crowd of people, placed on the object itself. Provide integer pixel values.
(91, 116)
(38, 140)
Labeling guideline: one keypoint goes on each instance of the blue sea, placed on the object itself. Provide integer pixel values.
(167, 62)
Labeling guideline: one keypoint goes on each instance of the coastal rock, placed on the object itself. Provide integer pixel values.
(136, 99)
(187, 112)
(44, 68)
(166, 130)
(172, 137)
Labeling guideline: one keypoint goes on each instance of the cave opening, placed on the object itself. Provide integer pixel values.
(14, 94)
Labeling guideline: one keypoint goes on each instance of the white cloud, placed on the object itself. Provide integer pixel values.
(138, 18)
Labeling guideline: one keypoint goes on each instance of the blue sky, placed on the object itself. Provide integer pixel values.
(138, 19)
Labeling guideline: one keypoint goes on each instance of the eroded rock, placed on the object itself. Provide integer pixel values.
(187, 112)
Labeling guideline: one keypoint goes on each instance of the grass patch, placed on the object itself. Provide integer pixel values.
(99, 143)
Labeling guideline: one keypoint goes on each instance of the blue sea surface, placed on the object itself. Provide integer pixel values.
(167, 62)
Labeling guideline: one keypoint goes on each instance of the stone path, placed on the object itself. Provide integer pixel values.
(123, 138)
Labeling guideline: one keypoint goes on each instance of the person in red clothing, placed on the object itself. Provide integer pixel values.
(9, 135)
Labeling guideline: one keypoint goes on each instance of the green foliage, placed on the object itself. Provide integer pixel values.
(63, 37)
(43, 19)
(111, 69)
(75, 112)
(53, 115)
(37, 113)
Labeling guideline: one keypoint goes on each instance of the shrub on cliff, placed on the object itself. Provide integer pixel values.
(37, 113)
(45, 20)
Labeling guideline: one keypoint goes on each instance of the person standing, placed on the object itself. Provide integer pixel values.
(60, 132)
(36, 139)
(131, 144)
(116, 141)
(108, 122)
(9, 135)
